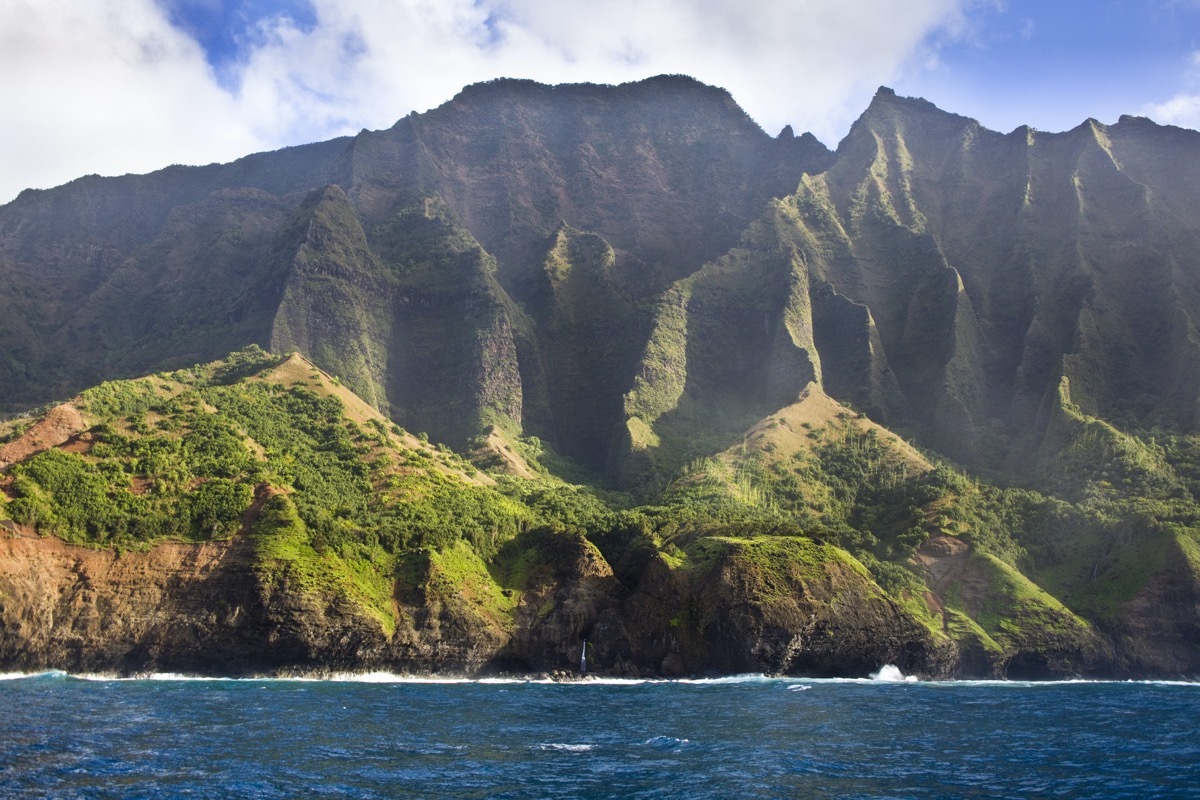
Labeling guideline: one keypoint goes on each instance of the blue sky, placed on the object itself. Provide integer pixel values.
(117, 86)
(1053, 64)
(228, 31)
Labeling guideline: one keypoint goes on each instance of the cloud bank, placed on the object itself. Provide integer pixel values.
(112, 86)
(1184, 108)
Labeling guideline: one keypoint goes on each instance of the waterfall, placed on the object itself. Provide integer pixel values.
(583, 658)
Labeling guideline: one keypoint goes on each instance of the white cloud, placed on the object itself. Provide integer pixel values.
(1184, 108)
(105, 87)
(109, 86)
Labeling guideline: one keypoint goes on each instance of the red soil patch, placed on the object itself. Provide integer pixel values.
(79, 444)
(56, 428)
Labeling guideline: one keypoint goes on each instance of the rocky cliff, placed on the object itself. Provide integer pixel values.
(569, 261)
(210, 609)
(963, 360)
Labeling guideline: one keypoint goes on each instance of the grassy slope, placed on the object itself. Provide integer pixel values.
(343, 505)
(330, 491)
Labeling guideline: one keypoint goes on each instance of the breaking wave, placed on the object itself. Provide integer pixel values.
(568, 748)
(887, 674)
(17, 676)
(890, 673)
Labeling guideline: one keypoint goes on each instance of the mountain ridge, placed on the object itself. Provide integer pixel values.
(624, 286)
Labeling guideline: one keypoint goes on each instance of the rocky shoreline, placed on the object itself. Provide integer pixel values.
(202, 609)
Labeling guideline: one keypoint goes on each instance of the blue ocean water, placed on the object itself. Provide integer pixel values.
(378, 737)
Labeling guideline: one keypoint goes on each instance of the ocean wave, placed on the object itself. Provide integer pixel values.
(110, 677)
(1020, 684)
(789, 682)
(998, 682)
(890, 673)
(754, 677)
(21, 676)
(563, 747)
(379, 677)
(666, 743)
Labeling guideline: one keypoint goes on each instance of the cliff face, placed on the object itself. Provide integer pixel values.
(946, 278)
(209, 609)
(175, 607)
(584, 262)
(639, 287)
(253, 516)
(436, 277)
(996, 265)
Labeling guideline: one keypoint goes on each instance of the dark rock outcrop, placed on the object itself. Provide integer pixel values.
(205, 608)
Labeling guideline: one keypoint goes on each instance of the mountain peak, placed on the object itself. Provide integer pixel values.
(889, 110)
(676, 81)
(524, 87)
(499, 87)
(886, 99)
(1136, 121)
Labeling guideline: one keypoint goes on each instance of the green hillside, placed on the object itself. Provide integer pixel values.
(819, 521)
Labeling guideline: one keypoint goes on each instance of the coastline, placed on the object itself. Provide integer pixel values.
(552, 679)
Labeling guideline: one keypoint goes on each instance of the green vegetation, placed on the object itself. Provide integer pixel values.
(775, 563)
(849, 489)
(183, 457)
(1013, 607)
(118, 398)
(362, 514)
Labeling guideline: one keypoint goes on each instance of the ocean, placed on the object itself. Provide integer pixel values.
(383, 736)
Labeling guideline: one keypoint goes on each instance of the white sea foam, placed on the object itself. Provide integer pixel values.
(666, 742)
(508, 680)
(890, 673)
(109, 677)
(385, 677)
(347, 677)
(887, 674)
(380, 677)
(437, 680)
(756, 677)
(569, 748)
(1024, 684)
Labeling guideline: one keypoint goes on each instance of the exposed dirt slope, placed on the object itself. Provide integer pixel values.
(52, 430)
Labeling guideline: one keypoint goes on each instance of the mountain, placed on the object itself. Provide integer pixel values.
(419, 263)
(953, 370)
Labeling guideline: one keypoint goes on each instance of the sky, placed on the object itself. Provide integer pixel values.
(129, 86)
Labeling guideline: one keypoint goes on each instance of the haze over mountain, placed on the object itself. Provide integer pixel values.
(674, 302)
